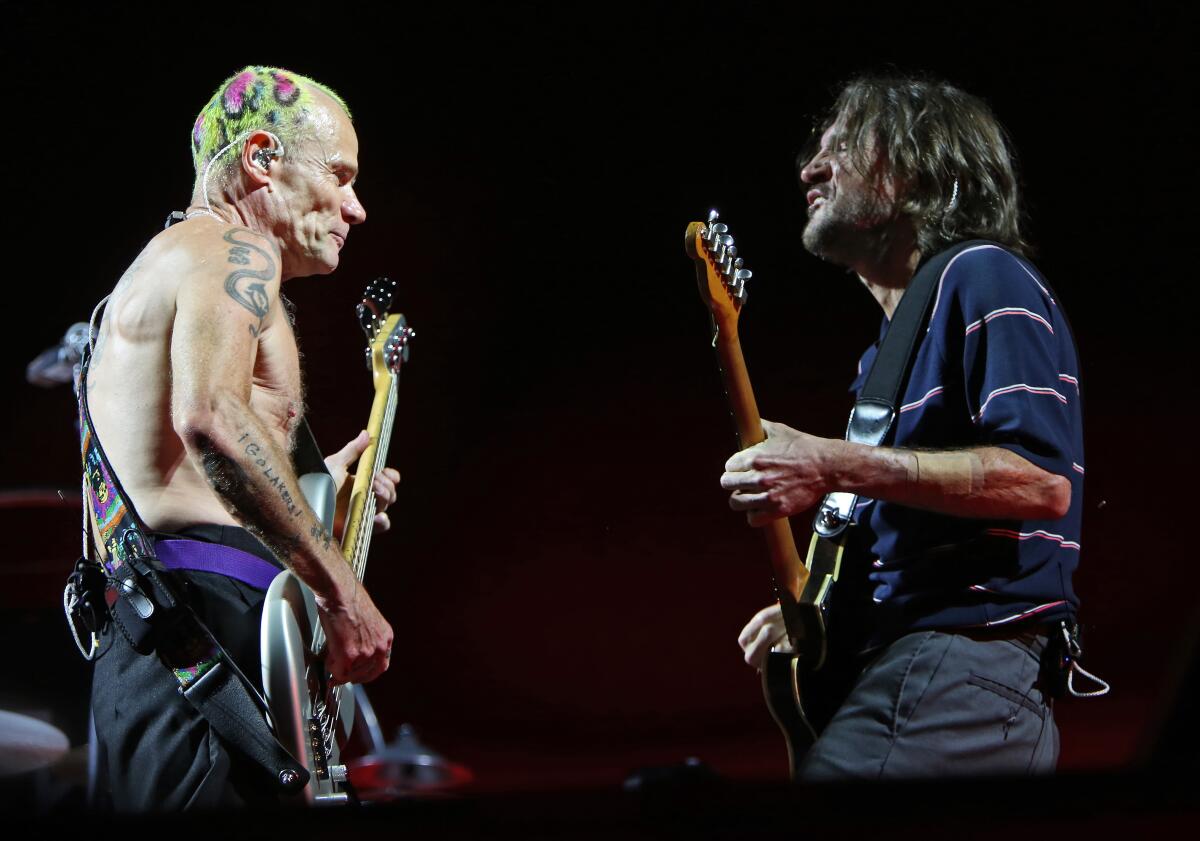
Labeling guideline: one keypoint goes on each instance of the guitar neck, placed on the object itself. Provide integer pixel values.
(360, 514)
(789, 570)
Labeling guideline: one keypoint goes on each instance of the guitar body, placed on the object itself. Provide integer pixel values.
(786, 674)
(311, 724)
(782, 691)
(309, 720)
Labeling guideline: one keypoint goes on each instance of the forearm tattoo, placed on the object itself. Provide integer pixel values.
(241, 285)
(230, 478)
(255, 451)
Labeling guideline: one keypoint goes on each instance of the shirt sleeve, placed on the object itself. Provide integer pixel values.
(1018, 363)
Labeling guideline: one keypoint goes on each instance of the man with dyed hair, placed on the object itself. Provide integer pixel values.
(965, 533)
(194, 388)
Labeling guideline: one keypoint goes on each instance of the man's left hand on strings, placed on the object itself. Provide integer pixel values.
(384, 485)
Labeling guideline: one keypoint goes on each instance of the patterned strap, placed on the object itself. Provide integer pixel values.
(187, 649)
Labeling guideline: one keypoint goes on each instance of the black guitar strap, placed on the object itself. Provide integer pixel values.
(875, 410)
(144, 607)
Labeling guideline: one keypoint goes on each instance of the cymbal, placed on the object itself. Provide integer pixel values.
(28, 743)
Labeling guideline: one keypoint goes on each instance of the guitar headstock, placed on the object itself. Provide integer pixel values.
(388, 335)
(376, 302)
(393, 350)
(719, 271)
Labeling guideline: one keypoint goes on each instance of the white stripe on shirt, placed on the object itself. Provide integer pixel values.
(1040, 608)
(938, 297)
(1010, 389)
(975, 325)
(1040, 533)
(918, 403)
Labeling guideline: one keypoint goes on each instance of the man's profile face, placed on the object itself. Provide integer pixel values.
(316, 203)
(848, 210)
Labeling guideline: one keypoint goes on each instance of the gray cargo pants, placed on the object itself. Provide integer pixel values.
(938, 703)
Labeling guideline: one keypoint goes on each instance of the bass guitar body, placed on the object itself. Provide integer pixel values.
(312, 722)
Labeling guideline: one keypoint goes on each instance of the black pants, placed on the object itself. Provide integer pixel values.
(157, 752)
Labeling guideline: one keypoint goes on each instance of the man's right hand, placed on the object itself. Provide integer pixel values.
(762, 634)
(359, 639)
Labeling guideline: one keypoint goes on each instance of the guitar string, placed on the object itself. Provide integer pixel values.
(366, 530)
(358, 564)
(380, 454)
(362, 542)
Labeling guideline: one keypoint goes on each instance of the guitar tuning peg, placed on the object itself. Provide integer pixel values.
(712, 215)
(723, 255)
(731, 275)
(737, 264)
(726, 265)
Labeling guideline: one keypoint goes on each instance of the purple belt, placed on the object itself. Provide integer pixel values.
(213, 557)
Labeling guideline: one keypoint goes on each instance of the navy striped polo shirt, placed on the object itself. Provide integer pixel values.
(997, 367)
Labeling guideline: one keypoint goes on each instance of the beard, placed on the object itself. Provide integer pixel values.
(849, 229)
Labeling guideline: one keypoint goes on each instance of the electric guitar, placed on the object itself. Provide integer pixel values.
(312, 718)
(803, 588)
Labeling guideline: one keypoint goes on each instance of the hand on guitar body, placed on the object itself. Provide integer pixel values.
(764, 633)
(384, 485)
(781, 476)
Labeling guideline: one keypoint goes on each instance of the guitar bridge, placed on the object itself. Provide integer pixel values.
(320, 753)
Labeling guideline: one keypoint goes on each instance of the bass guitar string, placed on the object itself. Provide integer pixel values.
(362, 544)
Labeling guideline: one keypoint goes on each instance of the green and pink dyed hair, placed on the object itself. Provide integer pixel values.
(267, 98)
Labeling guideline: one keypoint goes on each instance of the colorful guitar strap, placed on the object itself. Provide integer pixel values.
(127, 559)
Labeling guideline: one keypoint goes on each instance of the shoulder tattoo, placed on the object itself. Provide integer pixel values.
(246, 285)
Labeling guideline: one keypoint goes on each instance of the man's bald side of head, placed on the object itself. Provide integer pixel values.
(270, 99)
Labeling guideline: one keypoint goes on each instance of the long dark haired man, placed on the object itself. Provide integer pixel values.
(967, 528)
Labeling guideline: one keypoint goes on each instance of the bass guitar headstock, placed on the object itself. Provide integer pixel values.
(376, 302)
(719, 272)
(388, 334)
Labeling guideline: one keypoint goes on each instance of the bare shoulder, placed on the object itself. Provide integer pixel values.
(209, 248)
(213, 262)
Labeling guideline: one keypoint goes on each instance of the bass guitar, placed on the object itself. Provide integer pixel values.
(312, 718)
(803, 588)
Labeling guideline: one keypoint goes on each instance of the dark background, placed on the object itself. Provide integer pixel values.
(564, 577)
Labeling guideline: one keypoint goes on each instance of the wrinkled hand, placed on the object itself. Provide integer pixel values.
(359, 639)
(385, 494)
(779, 477)
(762, 634)
(384, 485)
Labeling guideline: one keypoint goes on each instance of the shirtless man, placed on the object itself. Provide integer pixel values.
(195, 392)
